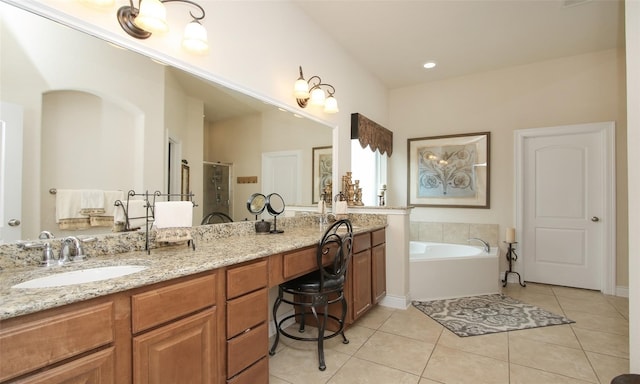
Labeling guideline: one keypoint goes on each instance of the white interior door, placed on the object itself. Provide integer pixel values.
(566, 200)
(10, 172)
(281, 175)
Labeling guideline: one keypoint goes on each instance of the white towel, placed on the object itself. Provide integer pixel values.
(68, 204)
(173, 214)
(110, 198)
(137, 212)
(91, 200)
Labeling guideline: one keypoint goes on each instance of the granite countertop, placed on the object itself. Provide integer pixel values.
(162, 264)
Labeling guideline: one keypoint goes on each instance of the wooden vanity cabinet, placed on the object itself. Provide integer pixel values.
(359, 291)
(62, 345)
(247, 329)
(378, 265)
(175, 333)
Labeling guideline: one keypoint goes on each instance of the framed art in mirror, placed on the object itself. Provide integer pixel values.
(322, 171)
(184, 184)
(449, 171)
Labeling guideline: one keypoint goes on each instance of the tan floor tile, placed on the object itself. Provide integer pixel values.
(602, 342)
(301, 366)
(577, 293)
(448, 365)
(621, 304)
(610, 324)
(356, 335)
(413, 324)
(526, 375)
(531, 288)
(555, 334)
(549, 357)
(608, 367)
(424, 381)
(494, 345)
(544, 301)
(375, 317)
(595, 305)
(276, 380)
(397, 352)
(357, 371)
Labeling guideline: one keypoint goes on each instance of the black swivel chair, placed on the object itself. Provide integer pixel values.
(315, 291)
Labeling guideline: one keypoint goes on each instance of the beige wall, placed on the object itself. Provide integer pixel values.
(242, 141)
(577, 89)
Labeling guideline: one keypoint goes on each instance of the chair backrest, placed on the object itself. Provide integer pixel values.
(216, 217)
(334, 251)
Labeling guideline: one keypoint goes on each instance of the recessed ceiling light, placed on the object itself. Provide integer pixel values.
(430, 64)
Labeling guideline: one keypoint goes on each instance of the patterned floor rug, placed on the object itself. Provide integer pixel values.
(479, 315)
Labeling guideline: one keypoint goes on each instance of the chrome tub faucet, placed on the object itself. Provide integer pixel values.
(487, 247)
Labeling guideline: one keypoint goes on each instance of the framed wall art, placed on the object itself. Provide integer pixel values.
(322, 171)
(449, 171)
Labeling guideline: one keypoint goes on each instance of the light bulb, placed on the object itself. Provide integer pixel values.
(152, 16)
(301, 89)
(317, 97)
(195, 38)
(331, 105)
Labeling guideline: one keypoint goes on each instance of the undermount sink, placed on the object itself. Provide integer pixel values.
(81, 276)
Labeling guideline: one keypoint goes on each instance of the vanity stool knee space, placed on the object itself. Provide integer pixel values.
(315, 291)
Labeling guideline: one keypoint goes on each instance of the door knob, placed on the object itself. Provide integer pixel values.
(14, 222)
(595, 219)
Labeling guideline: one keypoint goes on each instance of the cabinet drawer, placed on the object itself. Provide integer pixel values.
(246, 278)
(94, 368)
(378, 237)
(247, 311)
(164, 304)
(35, 344)
(299, 262)
(303, 261)
(258, 373)
(361, 242)
(246, 349)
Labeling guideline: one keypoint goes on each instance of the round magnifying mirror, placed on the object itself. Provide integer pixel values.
(275, 204)
(256, 203)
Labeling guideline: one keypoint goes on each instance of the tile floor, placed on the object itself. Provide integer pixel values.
(390, 346)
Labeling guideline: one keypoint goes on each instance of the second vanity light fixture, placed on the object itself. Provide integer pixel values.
(312, 93)
(151, 17)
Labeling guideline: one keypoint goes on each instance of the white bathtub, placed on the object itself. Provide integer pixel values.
(442, 271)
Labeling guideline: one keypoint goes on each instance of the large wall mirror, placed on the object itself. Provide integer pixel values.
(102, 118)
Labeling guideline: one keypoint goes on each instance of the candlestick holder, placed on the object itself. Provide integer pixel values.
(511, 257)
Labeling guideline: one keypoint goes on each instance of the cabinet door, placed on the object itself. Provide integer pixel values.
(361, 283)
(183, 352)
(96, 368)
(378, 275)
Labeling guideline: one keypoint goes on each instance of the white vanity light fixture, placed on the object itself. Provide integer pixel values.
(312, 93)
(151, 17)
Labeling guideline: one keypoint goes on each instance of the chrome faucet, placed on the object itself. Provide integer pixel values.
(48, 257)
(487, 247)
(72, 249)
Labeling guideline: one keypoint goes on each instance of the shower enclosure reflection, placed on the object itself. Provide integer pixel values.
(217, 188)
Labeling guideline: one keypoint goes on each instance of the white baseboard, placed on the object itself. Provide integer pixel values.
(397, 302)
(622, 291)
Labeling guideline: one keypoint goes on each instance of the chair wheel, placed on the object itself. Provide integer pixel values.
(322, 367)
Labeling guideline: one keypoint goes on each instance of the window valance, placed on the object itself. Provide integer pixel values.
(370, 133)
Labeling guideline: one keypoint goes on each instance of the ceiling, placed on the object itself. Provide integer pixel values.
(393, 38)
